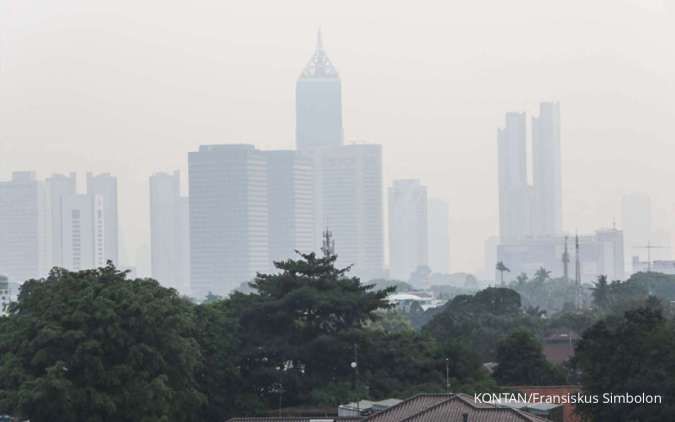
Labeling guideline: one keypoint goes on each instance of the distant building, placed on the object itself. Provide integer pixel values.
(105, 186)
(657, 266)
(439, 236)
(547, 194)
(5, 295)
(59, 187)
(352, 206)
(25, 244)
(228, 217)
(169, 232)
(600, 254)
(514, 191)
(292, 203)
(82, 230)
(318, 102)
(408, 228)
(636, 222)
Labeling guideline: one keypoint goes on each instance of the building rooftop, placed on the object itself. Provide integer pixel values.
(319, 65)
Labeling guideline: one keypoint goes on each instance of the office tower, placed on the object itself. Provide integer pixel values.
(636, 222)
(439, 236)
(169, 232)
(514, 192)
(82, 229)
(547, 200)
(318, 103)
(351, 204)
(59, 186)
(291, 193)
(408, 228)
(228, 217)
(105, 185)
(25, 244)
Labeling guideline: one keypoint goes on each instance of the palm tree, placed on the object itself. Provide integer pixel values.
(501, 268)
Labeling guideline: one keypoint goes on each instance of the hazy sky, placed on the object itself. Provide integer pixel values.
(129, 87)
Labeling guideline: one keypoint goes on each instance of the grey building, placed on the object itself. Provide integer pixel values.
(547, 198)
(169, 232)
(318, 102)
(514, 191)
(229, 219)
(105, 186)
(408, 228)
(59, 187)
(291, 202)
(25, 244)
(439, 236)
(636, 222)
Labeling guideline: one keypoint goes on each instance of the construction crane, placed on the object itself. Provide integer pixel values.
(649, 248)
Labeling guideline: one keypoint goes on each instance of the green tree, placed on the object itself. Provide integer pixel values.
(634, 354)
(95, 346)
(542, 275)
(520, 361)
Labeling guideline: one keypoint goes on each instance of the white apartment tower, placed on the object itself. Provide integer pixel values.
(547, 205)
(105, 186)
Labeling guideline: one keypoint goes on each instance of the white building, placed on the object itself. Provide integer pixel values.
(169, 232)
(439, 236)
(547, 198)
(25, 244)
(228, 217)
(5, 295)
(59, 186)
(83, 232)
(408, 228)
(105, 185)
(352, 206)
(514, 191)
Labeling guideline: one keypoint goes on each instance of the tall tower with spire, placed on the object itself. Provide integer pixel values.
(318, 103)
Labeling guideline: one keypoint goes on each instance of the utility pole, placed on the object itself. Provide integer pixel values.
(577, 274)
(447, 375)
(649, 248)
(566, 263)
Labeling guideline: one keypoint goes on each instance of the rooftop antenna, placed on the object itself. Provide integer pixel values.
(328, 244)
(319, 40)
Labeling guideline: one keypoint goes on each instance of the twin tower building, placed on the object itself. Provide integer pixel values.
(248, 207)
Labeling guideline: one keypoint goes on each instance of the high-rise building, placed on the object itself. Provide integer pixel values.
(514, 191)
(636, 222)
(25, 244)
(408, 228)
(318, 103)
(169, 232)
(291, 202)
(105, 186)
(439, 236)
(352, 206)
(547, 198)
(82, 230)
(228, 217)
(59, 187)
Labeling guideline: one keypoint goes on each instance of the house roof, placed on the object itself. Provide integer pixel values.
(450, 408)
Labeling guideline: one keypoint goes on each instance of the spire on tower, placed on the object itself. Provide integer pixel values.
(319, 40)
(319, 65)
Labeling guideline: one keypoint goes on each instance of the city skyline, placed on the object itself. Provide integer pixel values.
(441, 160)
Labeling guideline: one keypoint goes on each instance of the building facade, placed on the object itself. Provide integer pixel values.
(547, 176)
(439, 236)
(408, 228)
(169, 232)
(105, 186)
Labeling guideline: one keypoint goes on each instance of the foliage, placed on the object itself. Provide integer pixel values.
(521, 361)
(94, 346)
(634, 354)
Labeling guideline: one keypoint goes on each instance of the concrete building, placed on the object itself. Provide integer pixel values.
(59, 186)
(105, 186)
(439, 236)
(514, 191)
(25, 244)
(636, 222)
(408, 228)
(291, 201)
(547, 197)
(318, 103)
(5, 295)
(600, 253)
(82, 229)
(229, 232)
(352, 206)
(169, 232)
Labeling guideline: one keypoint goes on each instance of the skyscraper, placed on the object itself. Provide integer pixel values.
(59, 187)
(547, 205)
(25, 242)
(318, 103)
(228, 217)
(105, 186)
(439, 236)
(514, 191)
(291, 202)
(82, 229)
(169, 232)
(351, 204)
(408, 228)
